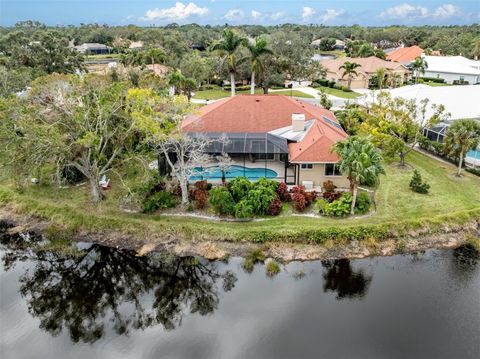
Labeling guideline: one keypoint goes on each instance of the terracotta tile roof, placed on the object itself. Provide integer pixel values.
(368, 65)
(405, 54)
(264, 113)
(316, 145)
(250, 113)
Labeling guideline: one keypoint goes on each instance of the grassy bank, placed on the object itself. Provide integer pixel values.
(399, 211)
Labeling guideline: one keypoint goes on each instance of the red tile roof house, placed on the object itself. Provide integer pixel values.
(277, 136)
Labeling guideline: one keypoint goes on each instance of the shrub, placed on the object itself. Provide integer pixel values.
(417, 184)
(239, 187)
(159, 200)
(331, 196)
(260, 198)
(222, 201)
(282, 191)
(474, 171)
(340, 207)
(320, 205)
(310, 197)
(275, 207)
(299, 202)
(243, 209)
(200, 194)
(328, 186)
(263, 182)
(363, 203)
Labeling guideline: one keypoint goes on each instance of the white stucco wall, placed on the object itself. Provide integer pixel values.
(449, 77)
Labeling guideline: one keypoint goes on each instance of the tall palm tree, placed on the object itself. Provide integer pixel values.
(181, 83)
(381, 77)
(349, 70)
(257, 50)
(229, 44)
(419, 66)
(462, 135)
(155, 55)
(360, 162)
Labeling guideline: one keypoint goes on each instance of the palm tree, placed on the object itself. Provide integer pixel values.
(181, 83)
(229, 44)
(419, 66)
(349, 70)
(381, 77)
(155, 55)
(476, 49)
(360, 162)
(395, 80)
(257, 50)
(462, 136)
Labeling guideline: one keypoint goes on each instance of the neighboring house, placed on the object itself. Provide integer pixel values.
(368, 67)
(158, 69)
(405, 55)
(453, 69)
(273, 136)
(93, 48)
(460, 102)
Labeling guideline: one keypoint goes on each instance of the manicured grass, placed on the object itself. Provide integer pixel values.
(398, 210)
(338, 93)
(218, 93)
(436, 84)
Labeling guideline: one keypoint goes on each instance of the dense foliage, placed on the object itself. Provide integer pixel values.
(417, 184)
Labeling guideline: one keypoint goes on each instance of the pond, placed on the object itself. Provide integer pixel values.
(106, 303)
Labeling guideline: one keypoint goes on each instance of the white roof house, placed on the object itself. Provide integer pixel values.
(453, 68)
(93, 48)
(460, 102)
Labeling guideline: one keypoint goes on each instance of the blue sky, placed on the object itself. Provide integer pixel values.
(265, 12)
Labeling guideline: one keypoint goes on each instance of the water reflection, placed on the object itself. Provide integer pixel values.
(341, 279)
(464, 263)
(100, 286)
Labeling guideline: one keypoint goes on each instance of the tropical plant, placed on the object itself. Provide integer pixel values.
(244, 209)
(222, 201)
(239, 187)
(325, 102)
(257, 50)
(419, 66)
(349, 70)
(340, 207)
(381, 77)
(229, 45)
(462, 136)
(360, 161)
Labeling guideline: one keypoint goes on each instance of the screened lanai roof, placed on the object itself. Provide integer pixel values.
(243, 142)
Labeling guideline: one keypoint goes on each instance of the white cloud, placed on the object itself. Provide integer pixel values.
(178, 12)
(404, 11)
(256, 14)
(447, 10)
(307, 12)
(234, 14)
(277, 15)
(331, 14)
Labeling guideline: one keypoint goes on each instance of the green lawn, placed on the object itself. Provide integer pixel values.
(451, 199)
(436, 84)
(218, 93)
(339, 93)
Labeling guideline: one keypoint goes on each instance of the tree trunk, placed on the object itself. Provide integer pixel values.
(460, 162)
(184, 188)
(252, 84)
(95, 190)
(232, 83)
(402, 159)
(265, 90)
(349, 81)
(354, 199)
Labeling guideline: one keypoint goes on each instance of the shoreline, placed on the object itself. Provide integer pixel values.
(449, 237)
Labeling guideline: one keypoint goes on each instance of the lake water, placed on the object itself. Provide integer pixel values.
(109, 303)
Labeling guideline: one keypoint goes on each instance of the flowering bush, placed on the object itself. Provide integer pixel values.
(275, 207)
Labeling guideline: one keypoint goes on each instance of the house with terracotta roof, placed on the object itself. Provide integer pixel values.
(405, 55)
(271, 136)
(368, 67)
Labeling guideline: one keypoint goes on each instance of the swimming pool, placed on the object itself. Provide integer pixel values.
(214, 173)
(474, 154)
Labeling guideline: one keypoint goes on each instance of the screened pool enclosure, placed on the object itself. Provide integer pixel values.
(254, 155)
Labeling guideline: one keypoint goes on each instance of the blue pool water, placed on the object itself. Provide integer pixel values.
(474, 154)
(214, 173)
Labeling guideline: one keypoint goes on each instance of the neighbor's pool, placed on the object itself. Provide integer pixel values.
(214, 173)
(474, 154)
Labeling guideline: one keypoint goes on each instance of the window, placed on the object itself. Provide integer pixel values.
(462, 78)
(306, 166)
(332, 170)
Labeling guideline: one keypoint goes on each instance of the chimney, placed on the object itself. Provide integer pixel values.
(298, 122)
